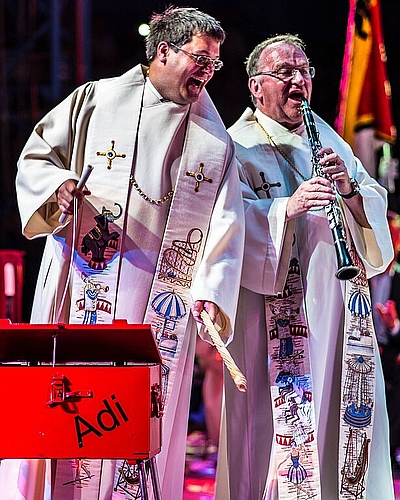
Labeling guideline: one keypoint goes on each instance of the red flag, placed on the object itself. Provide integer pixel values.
(365, 94)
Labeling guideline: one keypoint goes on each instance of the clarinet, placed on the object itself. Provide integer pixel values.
(346, 268)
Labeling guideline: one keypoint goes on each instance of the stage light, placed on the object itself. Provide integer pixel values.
(144, 29)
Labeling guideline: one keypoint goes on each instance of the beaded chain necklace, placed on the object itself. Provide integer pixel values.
(132, 179)
(141, 193)
(283, 154)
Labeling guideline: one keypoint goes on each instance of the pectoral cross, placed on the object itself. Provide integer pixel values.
(110, 155)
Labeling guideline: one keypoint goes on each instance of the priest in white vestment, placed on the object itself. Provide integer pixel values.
(282, 211)
(162, 215)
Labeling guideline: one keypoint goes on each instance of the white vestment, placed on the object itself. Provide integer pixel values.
(146, 136)
(268, 244)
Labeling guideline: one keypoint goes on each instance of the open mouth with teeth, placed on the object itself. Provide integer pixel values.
(296, 96)
(196, 82)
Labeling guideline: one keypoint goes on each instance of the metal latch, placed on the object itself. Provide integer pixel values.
(157, 407)
(58, 392)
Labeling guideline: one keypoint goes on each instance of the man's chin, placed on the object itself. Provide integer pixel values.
(192, 97)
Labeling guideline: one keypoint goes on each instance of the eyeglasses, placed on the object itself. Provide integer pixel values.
(200, 60)
(287, 74)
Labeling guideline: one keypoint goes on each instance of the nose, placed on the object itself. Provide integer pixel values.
(297, 75)
(209, 68)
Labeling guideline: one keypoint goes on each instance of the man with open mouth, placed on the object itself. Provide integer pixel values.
(304, 333)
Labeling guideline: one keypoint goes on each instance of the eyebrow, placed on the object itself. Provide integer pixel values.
(290, 66)
(206, 54)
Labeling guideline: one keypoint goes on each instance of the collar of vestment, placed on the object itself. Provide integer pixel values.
(155, 91)
(276, 129)
(291, 145)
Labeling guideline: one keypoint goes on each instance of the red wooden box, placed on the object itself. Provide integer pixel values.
(57, 403)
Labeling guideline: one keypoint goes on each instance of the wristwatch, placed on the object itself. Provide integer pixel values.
(355, 189)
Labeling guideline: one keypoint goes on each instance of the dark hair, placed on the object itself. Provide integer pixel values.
(178, 25)
(252, 62)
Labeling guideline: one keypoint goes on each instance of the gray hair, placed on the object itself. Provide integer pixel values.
(178, 25)
(252, 62)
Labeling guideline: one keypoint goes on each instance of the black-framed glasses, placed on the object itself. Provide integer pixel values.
(200, 60)
(286, 74)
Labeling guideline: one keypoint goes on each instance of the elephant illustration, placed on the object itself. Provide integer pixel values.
(100, 237)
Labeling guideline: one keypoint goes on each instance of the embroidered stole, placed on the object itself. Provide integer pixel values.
(201, 172)
(358, 387)
(295, 446)
(295, 443)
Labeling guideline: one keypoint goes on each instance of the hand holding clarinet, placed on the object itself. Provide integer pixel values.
(329, 167)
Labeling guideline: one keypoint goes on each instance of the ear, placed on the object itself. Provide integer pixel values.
(162, 51)
(255, 87)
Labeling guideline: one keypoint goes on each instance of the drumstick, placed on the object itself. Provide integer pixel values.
(81, 183)
(235, 373)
